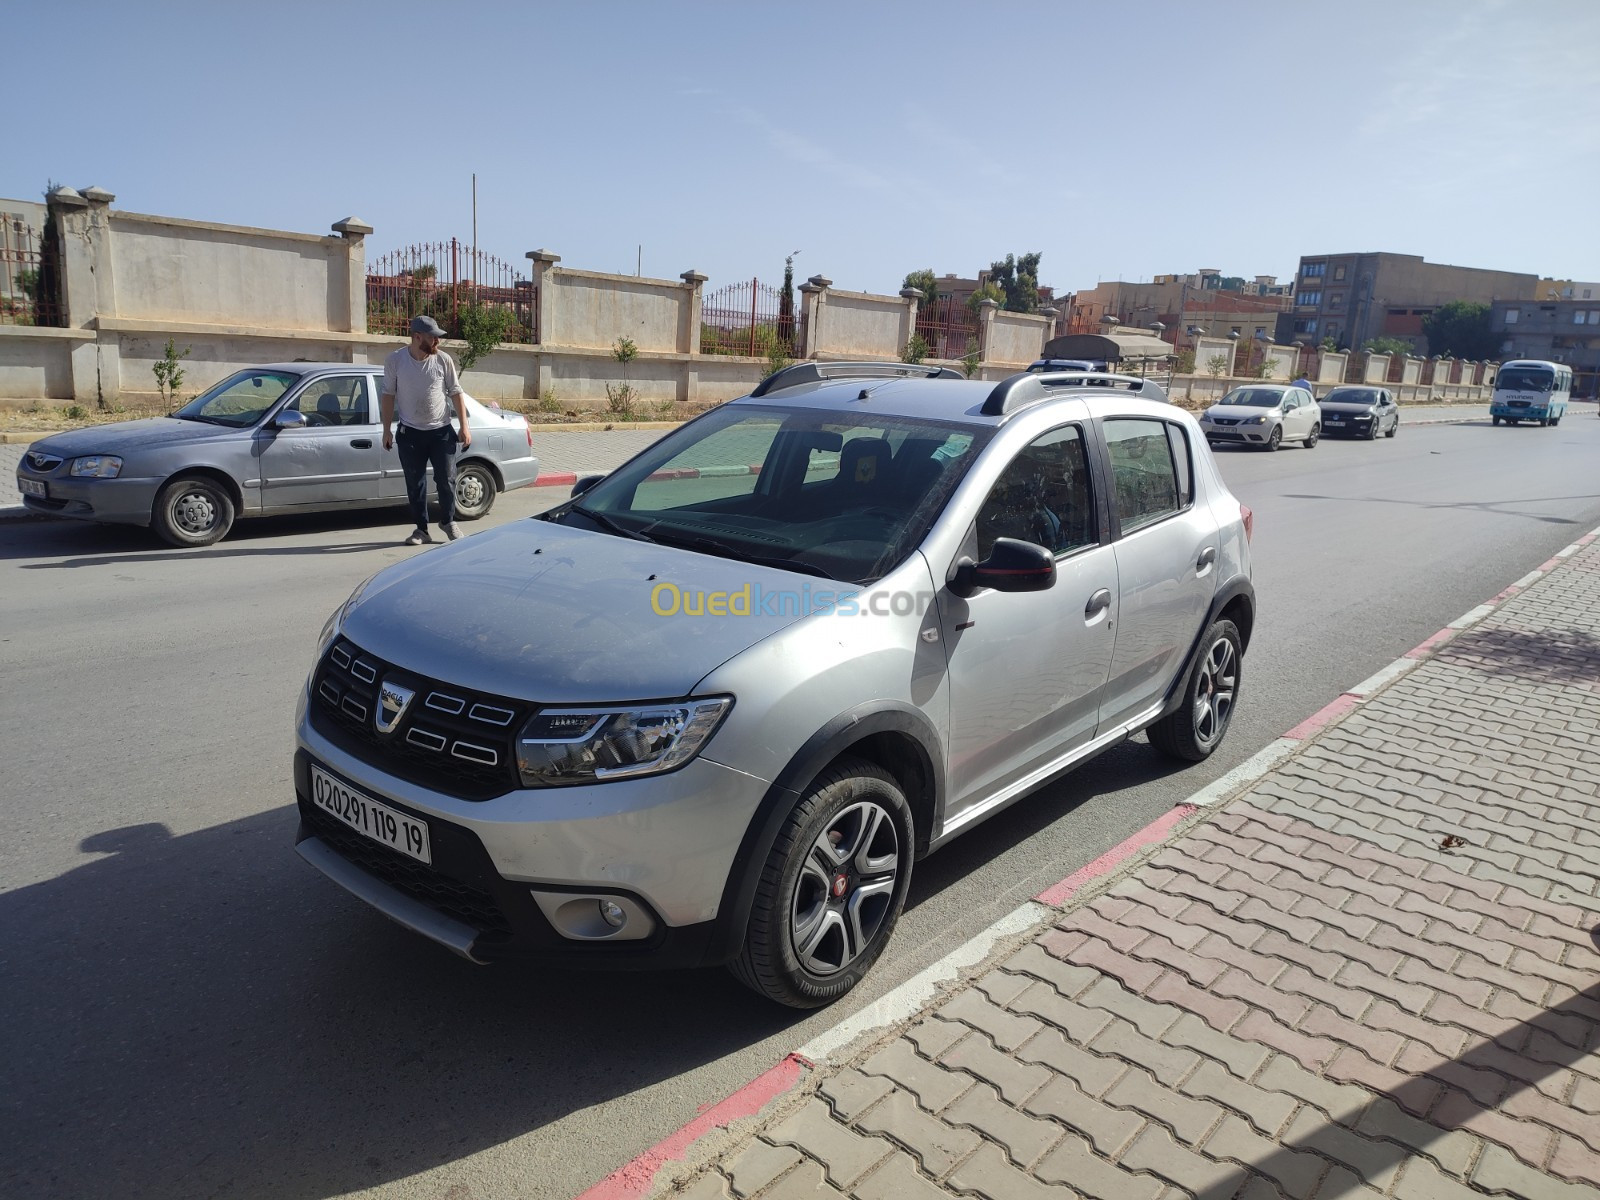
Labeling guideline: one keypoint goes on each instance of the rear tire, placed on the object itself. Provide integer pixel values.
(476, 489)
(1311, 438)
(1199, 724)
(192, 511)
(831, 890)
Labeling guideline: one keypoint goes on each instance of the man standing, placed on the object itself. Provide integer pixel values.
(419, 383)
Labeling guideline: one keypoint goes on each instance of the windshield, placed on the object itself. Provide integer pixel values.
(1351, 396)
(239, 400)
(841, 495)
(1254, 397)
(1525, 379)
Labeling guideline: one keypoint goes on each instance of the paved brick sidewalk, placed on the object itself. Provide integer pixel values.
(1374, 973)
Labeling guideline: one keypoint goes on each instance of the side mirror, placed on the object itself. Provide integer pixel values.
(1012, 566)
(584, 484)
(289, 418)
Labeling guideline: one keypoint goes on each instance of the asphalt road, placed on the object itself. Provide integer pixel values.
(191, 1011)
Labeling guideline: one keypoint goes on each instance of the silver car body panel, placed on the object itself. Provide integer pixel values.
(309, 469)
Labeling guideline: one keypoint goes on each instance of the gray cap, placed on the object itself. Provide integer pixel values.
(426, 325)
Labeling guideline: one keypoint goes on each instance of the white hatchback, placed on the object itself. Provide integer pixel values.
(1263, 416)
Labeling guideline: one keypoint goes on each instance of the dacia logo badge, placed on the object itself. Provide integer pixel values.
(393, 700)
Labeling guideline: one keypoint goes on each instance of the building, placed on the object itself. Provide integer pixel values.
(1206, 302)
(1563, 331)
(1356, 298)
(1566, 289)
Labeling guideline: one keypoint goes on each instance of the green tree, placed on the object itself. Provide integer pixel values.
(1388, 345)
(620, 396)
(924, 281)
(986, 291)
(168, 372)
(916, 349)
(483, 327)
(1460, 329)
(1018, 278)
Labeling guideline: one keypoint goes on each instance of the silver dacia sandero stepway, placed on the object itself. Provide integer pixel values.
(713, 708)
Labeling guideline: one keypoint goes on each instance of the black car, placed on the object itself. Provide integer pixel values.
(1360, 411)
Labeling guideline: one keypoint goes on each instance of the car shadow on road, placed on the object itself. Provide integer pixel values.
(222, 1018)
(198, 1013)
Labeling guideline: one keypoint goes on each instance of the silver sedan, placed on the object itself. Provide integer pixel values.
(285, 438)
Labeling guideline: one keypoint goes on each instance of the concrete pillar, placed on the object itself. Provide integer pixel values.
(986, 312)
(542, 269)
(88, 289)
(694, 317)
(354, 231)
(1050, 315)
(813, 299)
(908, 320)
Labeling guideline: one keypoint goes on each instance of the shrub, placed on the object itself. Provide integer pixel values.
(169, 375)
(916, 349)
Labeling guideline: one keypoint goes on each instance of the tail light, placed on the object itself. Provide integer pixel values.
(528, 429)
(1249, 519)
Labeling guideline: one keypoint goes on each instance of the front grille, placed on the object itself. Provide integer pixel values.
(43, 462)
(465, 903)
(1224, 420)
(450, 739)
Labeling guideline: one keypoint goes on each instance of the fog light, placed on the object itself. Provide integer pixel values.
(611, 913)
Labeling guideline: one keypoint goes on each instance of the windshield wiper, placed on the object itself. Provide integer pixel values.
(605, 522)
(714, 547)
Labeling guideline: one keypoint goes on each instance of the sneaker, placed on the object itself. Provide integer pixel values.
(419, 538)
(451, 530)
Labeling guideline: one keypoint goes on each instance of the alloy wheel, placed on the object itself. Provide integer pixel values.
(845, 889)
(1218, 683)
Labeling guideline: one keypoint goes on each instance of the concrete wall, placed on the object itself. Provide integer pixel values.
(1015, 339)
(1283, 362)
(1332, 366)
(164, 269)
(853, 325)
(1376, 369)
(1207, 348)
(593, 310)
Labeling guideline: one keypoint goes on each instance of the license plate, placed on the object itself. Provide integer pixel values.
(32, 487)
(365, 815)
(1335, 420)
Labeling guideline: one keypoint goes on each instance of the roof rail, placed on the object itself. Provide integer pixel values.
(821, 372)
(1025, 388)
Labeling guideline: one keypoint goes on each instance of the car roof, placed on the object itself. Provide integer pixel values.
(313, 368)
(956, 401)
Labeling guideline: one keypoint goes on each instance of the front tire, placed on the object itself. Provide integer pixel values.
(1274, 439)
(1197, 727)
(1395, 428)
(476, 489)
(192, 511)
(832, 888)
(1494, 420)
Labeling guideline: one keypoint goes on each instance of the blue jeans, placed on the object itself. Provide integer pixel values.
(419, 449)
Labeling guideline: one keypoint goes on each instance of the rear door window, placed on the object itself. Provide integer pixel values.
(1144, 475)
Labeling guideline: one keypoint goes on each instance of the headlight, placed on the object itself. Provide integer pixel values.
(96, 466)
(562, 746)
(335, 622)
(1256, 421)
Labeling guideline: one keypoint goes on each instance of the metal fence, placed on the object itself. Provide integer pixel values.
(751, 319)
(27, 287)
(949, 328)
(445, 281)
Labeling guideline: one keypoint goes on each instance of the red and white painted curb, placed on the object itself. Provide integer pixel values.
(638, 1178)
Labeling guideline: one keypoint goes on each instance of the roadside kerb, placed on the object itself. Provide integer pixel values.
(890, 1017)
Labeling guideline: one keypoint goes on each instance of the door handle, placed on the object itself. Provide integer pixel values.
(1207, 557)
(362, 443)
(1098, 602)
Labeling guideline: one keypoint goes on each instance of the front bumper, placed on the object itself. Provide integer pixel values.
(1528, 413)
(664, 846)
(1248, 434)
(1336, 424)
(120, 501)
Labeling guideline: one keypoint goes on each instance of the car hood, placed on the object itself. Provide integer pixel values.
(124, 436)
(1345, 406)
(550, 614)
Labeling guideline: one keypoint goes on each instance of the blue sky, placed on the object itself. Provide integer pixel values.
(1121, 140)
